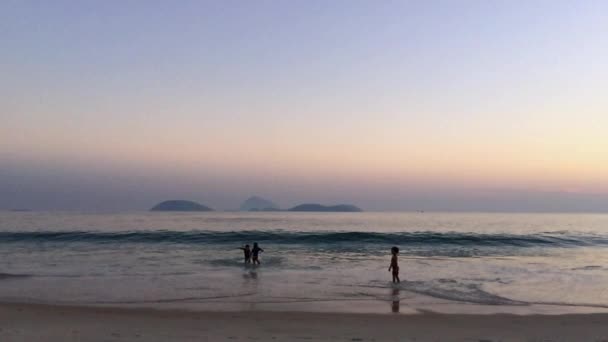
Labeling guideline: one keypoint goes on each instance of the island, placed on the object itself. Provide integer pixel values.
(180, 205)
(256, 203)
(326, 208)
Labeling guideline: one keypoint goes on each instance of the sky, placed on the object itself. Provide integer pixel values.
(390, 105)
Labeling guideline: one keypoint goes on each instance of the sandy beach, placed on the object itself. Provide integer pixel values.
(33, 322)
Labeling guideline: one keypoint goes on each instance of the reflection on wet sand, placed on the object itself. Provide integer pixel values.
(253, 275)
(250, 277)
(396, 300)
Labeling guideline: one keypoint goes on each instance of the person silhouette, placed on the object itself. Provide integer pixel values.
(255, 253)
(394, 265)
(247, 254)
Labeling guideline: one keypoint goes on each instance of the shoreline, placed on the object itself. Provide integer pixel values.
(45, 322)
(411, 305)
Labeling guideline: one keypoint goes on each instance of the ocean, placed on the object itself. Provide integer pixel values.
(336, 262)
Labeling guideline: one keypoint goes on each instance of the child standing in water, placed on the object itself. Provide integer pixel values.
(254, 252)
(247, 253)
(394, 265)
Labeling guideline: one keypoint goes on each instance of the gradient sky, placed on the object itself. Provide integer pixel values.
(391, 105)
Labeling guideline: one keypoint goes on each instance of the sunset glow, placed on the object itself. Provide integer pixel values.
(372, 104)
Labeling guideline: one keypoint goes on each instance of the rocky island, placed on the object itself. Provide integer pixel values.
(256, 203)
(180, 205)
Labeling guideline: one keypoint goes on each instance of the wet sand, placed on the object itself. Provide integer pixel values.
(33, 322)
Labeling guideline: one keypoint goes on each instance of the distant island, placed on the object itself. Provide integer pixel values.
(325, 208)
(180, 205)
(256, 203)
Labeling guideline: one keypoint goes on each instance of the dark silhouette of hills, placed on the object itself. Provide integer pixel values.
(256, 203)
(180, 205)
(323, 208)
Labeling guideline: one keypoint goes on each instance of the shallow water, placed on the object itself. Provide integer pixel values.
(451, 262)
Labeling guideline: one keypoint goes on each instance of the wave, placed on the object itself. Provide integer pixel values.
(12, 276)
(451, 289)
(422, 238)
(269, 261)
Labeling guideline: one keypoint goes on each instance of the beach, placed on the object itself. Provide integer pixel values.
(303, 171)
(35, 322)
(323, 277)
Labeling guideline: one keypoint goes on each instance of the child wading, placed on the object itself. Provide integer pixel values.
(254, 252)
(247, 253)
(394, 265)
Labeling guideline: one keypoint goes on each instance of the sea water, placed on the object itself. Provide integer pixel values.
(449, 262)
